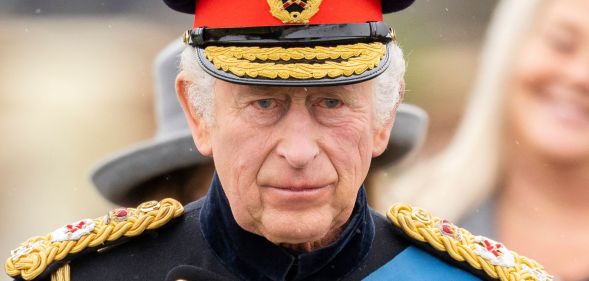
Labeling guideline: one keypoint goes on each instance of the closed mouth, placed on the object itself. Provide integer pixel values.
(298, 188)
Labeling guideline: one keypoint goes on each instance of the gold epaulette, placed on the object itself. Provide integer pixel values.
(33, 257)
(480, 252)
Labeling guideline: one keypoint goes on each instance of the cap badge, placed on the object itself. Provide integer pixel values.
(294, 11)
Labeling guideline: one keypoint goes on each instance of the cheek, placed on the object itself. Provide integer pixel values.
(350, 150)
(532, 68)
(533, 65)
(532, 119)
(239, 151)
(350, 154)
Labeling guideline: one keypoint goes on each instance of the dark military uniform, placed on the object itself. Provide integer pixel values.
(208, 238)
(278, 43)
(205, 243)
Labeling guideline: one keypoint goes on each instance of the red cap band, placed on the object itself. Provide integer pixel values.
(251, 13)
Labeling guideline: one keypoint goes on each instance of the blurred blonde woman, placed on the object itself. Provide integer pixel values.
(518, 167)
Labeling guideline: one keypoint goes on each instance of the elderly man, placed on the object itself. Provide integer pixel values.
(168, 165)
(292, 99)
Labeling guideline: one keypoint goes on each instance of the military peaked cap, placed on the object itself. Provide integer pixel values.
(291, 42)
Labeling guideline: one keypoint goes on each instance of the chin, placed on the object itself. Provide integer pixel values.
(555, 142)
(296, 228)
(563, 150)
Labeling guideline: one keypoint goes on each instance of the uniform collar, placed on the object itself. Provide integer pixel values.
(252, 257)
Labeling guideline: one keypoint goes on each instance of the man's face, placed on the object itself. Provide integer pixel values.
(291, 160)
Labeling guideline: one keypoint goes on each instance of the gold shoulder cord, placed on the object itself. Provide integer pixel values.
(32, 257)
(479, 252)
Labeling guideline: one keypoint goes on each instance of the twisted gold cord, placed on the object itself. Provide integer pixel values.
(41, 251)
(460, 245)
(62, 273)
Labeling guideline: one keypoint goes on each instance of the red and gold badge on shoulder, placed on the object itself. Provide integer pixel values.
(291, 42)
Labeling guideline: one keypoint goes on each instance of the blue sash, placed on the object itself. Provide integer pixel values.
(414, 264)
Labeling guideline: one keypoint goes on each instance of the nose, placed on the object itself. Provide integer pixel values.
(298, 138)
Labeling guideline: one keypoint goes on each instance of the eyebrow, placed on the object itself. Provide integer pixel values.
(568, 26)
(343, 91)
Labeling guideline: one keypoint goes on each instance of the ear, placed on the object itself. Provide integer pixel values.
(199, 128)
(382, 134)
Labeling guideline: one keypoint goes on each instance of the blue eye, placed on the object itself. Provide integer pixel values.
(265, 103)
(331, 103)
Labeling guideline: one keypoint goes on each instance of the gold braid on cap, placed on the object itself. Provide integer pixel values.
(33, 257)
(297, 62)
(479, 252)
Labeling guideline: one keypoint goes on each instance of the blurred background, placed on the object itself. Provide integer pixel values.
(76, 85)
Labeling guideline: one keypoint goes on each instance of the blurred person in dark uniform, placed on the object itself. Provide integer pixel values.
(292, 100)
(524, 140)
(169, 165)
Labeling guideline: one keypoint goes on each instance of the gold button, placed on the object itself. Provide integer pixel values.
(393, 34)
(186, 36)
(421, 215)
(149, 206)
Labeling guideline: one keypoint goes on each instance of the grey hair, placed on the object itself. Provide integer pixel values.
(387, 86)
(200, 89)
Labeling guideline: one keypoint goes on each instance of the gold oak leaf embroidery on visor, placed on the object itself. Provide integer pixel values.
(297, 62)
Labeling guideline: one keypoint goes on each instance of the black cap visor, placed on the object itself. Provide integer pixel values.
(311, 55)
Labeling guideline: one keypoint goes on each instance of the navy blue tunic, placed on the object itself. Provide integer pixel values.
(208, 241)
